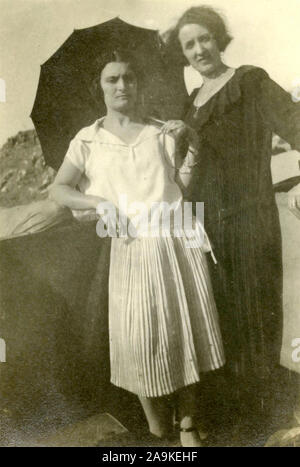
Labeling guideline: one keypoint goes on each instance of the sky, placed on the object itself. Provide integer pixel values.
(266, 33)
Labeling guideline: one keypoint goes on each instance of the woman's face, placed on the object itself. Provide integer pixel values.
(200, 48)
(119, 85)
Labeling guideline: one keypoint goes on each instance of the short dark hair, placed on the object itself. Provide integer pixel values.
(204, 16)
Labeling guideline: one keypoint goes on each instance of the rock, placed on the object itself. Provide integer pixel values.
(34, 159)
(6, 177)
(32, 190)
(21, 174)
(23, 164)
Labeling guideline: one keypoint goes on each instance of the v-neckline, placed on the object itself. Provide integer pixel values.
(124, 143)
(218, 90)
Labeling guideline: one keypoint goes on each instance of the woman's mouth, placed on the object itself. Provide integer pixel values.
(202, 59)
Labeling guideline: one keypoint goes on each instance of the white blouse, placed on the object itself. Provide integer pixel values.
(143, 171)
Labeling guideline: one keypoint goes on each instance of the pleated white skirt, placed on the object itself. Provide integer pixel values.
(163, 322)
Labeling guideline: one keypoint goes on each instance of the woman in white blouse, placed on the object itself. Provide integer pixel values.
(163, 324)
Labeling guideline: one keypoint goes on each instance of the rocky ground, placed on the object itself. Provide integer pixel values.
(24, 176)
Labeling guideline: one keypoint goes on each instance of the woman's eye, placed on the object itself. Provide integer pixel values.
(206, 38)
(189, 45)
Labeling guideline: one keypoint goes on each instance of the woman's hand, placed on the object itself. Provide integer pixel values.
(178, 129)
(95, 201)
(294, 201)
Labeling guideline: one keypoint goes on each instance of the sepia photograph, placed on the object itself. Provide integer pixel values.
(149, 224)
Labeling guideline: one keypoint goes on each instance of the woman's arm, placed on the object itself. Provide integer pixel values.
(186, 152)
(279, 111)
(185, 172)
(63, 189)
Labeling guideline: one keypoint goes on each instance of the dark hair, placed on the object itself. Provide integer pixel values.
(204, 16)
(113, 56)
(117, 55)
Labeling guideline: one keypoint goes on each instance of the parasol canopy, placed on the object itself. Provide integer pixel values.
(64, 100)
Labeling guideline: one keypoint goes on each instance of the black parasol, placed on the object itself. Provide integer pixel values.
(64, 101)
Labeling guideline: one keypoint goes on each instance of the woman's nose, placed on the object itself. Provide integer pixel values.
(198, 48)
(121, 83)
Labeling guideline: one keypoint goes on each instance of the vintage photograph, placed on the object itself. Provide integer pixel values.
(150, 223)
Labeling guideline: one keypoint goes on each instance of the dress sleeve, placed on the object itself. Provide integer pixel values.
(279, 111)
(77, 153)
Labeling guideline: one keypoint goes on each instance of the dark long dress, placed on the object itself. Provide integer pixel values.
(234, 180)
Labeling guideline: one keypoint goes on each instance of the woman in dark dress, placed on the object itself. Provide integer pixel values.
(234, 113)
